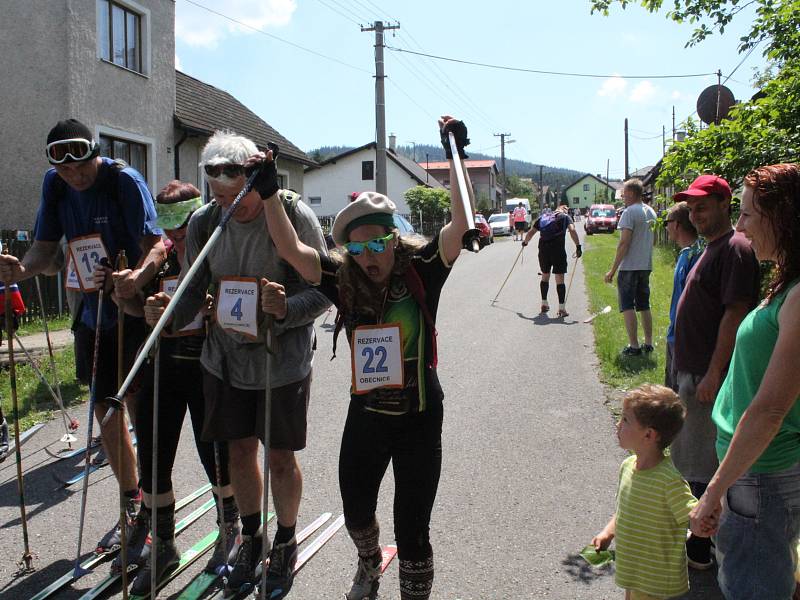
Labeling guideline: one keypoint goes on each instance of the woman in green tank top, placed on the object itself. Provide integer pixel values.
(757, 410)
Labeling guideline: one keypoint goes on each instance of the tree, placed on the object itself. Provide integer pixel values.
(764, 130)
(519, 188)
(432, 202)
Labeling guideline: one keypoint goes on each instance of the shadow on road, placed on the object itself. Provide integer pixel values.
(545, 319)
(634, 364)
(581, 571)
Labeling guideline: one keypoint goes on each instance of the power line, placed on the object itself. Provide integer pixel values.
(362, 6)
(339, 12)
(741, 62)
(542, 72)
(275, 37)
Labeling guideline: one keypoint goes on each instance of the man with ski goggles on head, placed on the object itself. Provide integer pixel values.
(101, 208)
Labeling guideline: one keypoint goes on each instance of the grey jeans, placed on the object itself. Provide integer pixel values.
(694, 449)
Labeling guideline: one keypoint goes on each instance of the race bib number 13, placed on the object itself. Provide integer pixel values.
(87, 251)
(237, 305)
(377, 357)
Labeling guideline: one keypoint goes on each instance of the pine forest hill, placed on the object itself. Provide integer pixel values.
(556, 177)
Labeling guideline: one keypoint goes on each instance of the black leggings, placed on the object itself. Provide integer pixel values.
(181, 387)
(414, 445)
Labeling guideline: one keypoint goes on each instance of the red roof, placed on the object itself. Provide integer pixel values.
(470, 164)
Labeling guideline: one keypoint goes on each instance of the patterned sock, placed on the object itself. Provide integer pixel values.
(416, 579)
(366, 539)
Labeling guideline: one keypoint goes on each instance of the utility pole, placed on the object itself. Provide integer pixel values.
(608, 185)
(627, 173)
(541, 190)
(380, 106)
(503, 137)
(663, 140)
(673, 123)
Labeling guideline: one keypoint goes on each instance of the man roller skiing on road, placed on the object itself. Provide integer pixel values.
(553, 228)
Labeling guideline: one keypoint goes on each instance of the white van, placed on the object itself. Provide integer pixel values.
(512, 203)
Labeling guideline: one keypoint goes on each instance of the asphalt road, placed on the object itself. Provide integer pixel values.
(530, 459)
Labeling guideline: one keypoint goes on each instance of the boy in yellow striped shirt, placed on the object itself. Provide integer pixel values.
(653, 500)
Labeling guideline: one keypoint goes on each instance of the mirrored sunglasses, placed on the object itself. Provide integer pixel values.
(231, 170)
(376, 245)
(75, 149)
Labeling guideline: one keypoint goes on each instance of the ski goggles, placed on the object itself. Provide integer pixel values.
(231, 170)
(376, 245)
(72, 150)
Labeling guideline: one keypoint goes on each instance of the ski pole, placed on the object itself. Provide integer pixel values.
(509, 274)
(27, 557)
(167, 314)
(154, 476)
(42, 378)
(471, 235)
(571, 277)
(70, 424)
(220, 510)
(122, 264)
(269, 346)
(80, 571)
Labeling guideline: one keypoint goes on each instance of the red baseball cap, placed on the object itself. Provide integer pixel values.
(703, 186)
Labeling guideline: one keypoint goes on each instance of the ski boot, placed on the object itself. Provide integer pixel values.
(242, 575)
(3, 438)
(545, 307)
(280, 572)
(111, 540)
(138, 542)
(367, 579)
(166, 561)
(218, 563)
(562, 312)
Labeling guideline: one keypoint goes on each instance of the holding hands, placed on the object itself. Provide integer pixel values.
(704, 518)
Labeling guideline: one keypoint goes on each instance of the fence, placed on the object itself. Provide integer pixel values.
(427, 227)
(55, 302)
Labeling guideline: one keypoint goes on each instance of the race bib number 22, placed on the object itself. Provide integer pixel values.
(377, 357)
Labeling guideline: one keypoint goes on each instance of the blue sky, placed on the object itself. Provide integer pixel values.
(327, 97)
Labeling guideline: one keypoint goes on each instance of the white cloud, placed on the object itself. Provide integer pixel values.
(198, 27)
(676, 95)
(612, 87)
(178, 64)
(643, 92)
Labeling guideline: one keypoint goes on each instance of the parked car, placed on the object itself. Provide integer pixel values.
(500, 224)
(482, 225)
(402, 224)
(601, 217)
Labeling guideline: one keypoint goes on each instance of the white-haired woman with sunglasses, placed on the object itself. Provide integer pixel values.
(387, 290)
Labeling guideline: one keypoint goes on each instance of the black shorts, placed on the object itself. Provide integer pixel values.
(519, 225)
(553, 257)
(633, 289)
(234, 414)
(135, 333)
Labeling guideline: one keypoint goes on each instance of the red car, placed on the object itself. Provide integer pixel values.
(482, 225)
(601, 217)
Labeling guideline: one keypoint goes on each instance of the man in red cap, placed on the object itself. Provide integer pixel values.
(720, 290)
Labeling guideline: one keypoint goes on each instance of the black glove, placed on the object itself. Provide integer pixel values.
(266, 182)
(524, 243)
(459, 133)
(578, 251)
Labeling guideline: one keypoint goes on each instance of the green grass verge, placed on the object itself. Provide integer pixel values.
(35, 402)
(609, 330)
(37, 326)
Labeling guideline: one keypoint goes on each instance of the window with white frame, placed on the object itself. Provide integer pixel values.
(133, 153)
(121, 34)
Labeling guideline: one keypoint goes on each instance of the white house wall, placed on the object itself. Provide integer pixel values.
(334, 182)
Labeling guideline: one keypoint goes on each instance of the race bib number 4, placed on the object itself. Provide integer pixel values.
(87, 251)
(377, 357)
(168, 286)
(237, 305)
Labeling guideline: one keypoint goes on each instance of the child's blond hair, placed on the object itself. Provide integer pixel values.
(659, 408)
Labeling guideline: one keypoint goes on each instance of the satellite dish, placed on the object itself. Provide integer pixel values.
(714, 104)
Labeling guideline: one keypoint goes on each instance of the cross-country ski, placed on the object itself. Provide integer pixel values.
(24, 437)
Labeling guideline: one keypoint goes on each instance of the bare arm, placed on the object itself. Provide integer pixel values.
(40, 258)
(777, 394)
(625, 237)
(726, 338)
(154, 253)
(603, 539)
(574, 234)
(303, 258)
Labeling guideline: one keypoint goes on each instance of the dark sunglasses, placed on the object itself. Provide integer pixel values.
(75, 149)
(376, 245)
(231, 170)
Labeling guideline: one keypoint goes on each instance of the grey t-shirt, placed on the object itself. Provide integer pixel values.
(639, 218)
(246, 250)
